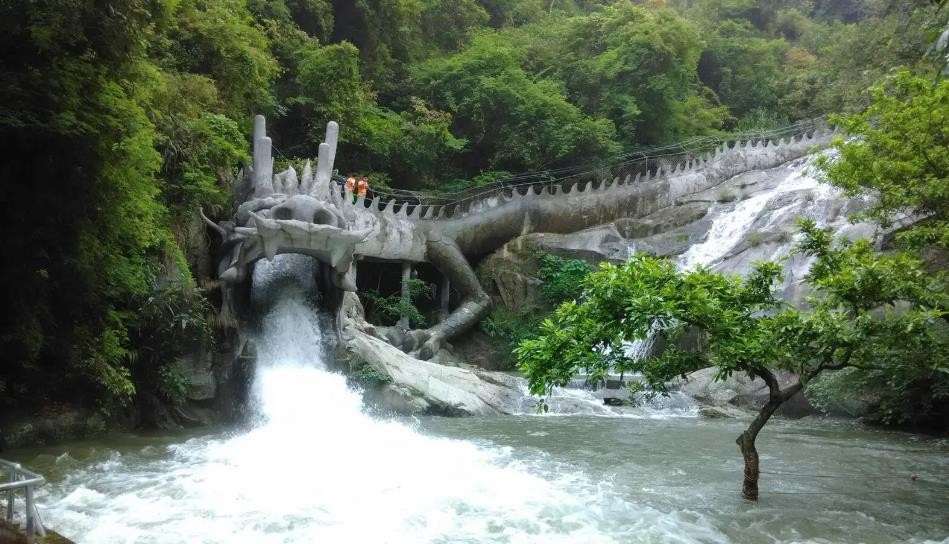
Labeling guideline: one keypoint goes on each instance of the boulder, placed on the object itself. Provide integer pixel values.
(418, 386)
(739, 390)
(594, 245)
(723, 412)
(50, 427)
(403, 400)
(662, 221)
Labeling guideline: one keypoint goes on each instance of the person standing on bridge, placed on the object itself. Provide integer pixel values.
(362, 187)
(351, 189)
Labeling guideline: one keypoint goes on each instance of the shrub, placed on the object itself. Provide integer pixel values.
(562, 278)
(755, 239)
(725, 194)
(172, 383)
(393, 307)
(368, 377)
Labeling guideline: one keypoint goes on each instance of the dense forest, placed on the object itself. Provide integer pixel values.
(121, 118)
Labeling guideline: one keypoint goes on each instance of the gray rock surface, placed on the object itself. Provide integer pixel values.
(419, 386)
(197, 369)
(739, 390)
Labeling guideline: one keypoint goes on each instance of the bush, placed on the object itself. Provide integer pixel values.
(172, 383)
(393, 307)
(755, 239)
(512, 328)
(368, 377)
(726, 195)
(562, 278)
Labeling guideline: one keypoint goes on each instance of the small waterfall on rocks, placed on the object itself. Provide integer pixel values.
(316, 468)
(791, 192)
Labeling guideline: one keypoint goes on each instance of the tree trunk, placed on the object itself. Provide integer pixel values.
(749, 486)
(746, 440)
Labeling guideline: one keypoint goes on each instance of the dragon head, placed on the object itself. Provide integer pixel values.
(287, 213)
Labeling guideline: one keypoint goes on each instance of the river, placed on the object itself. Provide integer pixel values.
(511, 479)
(313, 467)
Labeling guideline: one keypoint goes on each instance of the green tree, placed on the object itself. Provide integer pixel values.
(411, 146)
(217, 38)
(868, 311)
(899, 154)
(401, 305)
(512, 121)
(744, 70)
(853, 56)
(84, 223)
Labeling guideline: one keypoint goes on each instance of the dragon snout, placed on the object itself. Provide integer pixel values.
(307, 211)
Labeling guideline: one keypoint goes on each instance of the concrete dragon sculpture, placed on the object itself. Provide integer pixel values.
(308, 213)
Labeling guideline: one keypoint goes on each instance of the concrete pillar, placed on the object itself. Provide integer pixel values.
(406, 299)
(263, 160)
(444, 295)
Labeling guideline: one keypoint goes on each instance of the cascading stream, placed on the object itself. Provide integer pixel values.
(731, 225)
(317, 469)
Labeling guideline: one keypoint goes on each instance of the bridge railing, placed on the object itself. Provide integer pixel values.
(641, 162)
(18, 479)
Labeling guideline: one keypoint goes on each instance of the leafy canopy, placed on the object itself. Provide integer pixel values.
(899, 154)
(868, 311)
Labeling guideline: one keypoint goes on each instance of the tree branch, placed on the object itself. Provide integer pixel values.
(826, 365)
(217, 228)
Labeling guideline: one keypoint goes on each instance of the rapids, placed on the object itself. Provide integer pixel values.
(312, 466)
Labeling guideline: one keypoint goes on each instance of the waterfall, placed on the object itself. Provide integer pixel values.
(731, 224)
(316, 468)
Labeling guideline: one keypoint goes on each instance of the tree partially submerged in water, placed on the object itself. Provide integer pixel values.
(868, 311)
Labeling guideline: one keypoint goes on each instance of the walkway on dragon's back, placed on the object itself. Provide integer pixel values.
(642, 162)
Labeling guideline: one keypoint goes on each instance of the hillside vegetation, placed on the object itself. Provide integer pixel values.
(122, 118)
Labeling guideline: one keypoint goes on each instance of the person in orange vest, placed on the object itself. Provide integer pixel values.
(362, 187)
(351, 188)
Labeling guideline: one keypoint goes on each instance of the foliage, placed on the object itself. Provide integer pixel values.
(755, 239)
(368, 377)
(481, 180)
(726, 194)
(900, 155)
(514, 121)
(218, 38)
(123, 117)
(563, 278)
(395, 306)
(512, 328)
(173, 384)
(869, 311)
(897, 155)
(852, 56)
(636, 67)
(169, 321)
(744, 69)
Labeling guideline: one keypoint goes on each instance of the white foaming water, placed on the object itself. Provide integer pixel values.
(317, 469)
(579, 400)
(730, 226)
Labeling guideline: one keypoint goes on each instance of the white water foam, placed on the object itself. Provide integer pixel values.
(731, 224)
(317, 469)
